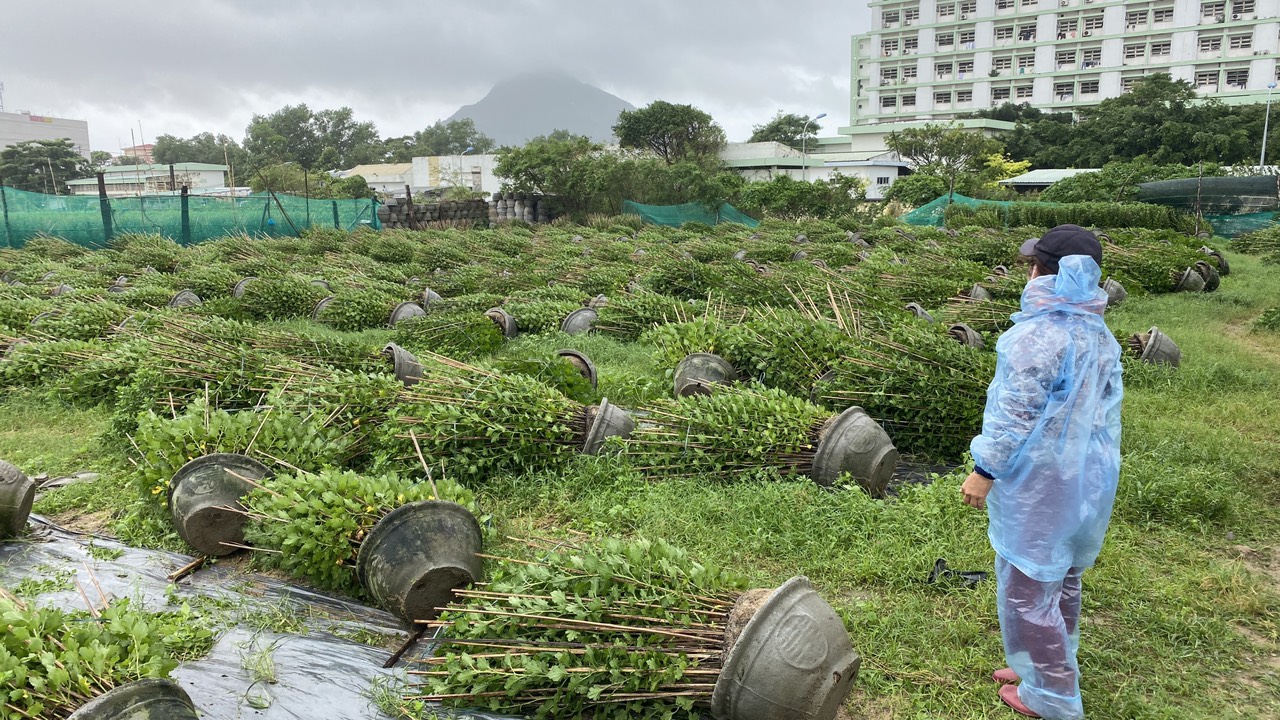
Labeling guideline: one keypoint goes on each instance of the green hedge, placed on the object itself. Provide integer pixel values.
(1095, 214)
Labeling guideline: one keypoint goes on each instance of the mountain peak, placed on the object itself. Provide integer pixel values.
(525, 106)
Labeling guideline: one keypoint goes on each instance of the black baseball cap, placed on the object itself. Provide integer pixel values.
(1060, 242)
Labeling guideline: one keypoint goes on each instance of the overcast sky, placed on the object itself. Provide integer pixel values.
(209, 65)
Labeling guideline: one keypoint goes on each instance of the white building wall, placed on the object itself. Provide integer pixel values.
(876, 99)
(474, 172)
(21, 127)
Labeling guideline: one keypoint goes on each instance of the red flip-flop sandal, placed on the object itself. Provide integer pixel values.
(1005, 676)
(1009, 694)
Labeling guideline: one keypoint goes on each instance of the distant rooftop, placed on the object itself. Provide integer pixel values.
(160, 167)
(1045, 178)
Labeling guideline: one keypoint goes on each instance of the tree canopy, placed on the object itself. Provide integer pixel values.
(946, 151)
(674, 133)
(323, 140)
(788, 129)
(42, 166)
(441, 138)
(202, 148)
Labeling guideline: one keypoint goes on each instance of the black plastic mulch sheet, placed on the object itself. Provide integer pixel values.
(319, 675)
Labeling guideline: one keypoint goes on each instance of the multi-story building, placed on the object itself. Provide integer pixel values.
(21, 127)
(935, 59)
(133, 180)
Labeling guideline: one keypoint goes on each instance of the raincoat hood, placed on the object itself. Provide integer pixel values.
(1073, 290)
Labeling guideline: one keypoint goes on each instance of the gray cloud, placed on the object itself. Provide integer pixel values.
(187, 67)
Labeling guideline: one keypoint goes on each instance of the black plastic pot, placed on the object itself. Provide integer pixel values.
(203, 498)
(1116, 293)
(815, 390)
(1188, 281)
(821, 264)
(505, 322)
(740, 255)
(579, 321)
(919, 311)
(1209, 273)
(17, 492)
(406, 366)
(404, 311)
(1224, 267)
(605, 421)
(854, 443)
(322, 284)
(48, 276)
(598, 301)
(792, 661)
(1156, 348)
(39, 317)
(799, 255)
(320, 306)
(416, 556)
(800, 239)
(185, 298)
(238, 291)
(581, 363)
(150, 699)
(966, 335)
(430, 296)
(1000, 271)
(979, 293)
(62, 289)
(698, 372)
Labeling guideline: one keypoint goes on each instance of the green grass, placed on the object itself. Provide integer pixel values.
(1179, 621)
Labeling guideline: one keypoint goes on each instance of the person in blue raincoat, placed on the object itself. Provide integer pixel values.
(1047, 465)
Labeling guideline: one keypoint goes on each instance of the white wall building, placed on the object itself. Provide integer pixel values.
(21, 127)
(386, 178)
(474, 172)
(828, 157)
(127, 180)
(932, 59)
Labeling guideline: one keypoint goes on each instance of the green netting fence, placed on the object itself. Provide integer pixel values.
(677, 215)
(86, 221)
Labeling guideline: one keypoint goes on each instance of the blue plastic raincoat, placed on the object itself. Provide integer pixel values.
(1051, 430)
(1051, 439)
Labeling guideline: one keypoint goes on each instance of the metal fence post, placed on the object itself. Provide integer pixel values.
(186, 217)
(104, 204)
(337, 224)
(4, 204)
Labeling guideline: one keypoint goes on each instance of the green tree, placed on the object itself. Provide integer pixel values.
(917, 189)
(674, 133)
(788, 129)
(42, 166)
(202, 148)
(290, 178)
(324, 140)
(442, 138)
(789, 199)
(947, 151)
(99, 159)
(1118, 181)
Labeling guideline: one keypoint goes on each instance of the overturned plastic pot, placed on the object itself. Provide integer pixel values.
(598, 301)
(918, 310)
(853, 443)
(579, 321)
(321, 304)
(740, 255)
(1188, 281)
(405, 365)
(1116, 293)
(1209, 273)
(416, 556)
(323, 285)
(237, 292)
(63, 289)
(150, 699)
(430, 296)
(1156, 348)
(820, 264)
(204, 500)
(505, 321)
(404, 311)
(966, 335)
(604, 421)
(698, 372)
(581, 363)
(793, 659)
(799, 255)
(1224, 267)
(979, 294)
(17, 493)
(185, 298)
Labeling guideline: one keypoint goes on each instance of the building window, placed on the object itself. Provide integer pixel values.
(1027, 32)
(1093, 24)
(910, 45)
(1132, 52)
(1126, 84)
(1067, 26)
(1162, 15)
(1002, 63)
(971, 6)
(966, 38)
(1028, 3)
(1026, 62)
(943, 70)
(888, 101)
(910, 16)
(941, 97)
(889, 47)
(1067, 57)
(1000, 93)
(1241, 42)
(1207, 79)
(1242, 7)
(1135, 18)
(1004, 33)
(888, 75)
(1024, 92)
(1004, 4)
(1089, 87)
(964, 96)
(1212, 9)
(946, 11)
(908, 101)
(881, 180)
(909, 73)
(890, 19)
(1211, 44)
(1161, 49)
(1237, 78)
(946, 39)
(965, 67)
(1064, 88)
(1091, 57)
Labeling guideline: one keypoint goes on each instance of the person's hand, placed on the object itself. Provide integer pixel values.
(975, 489)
